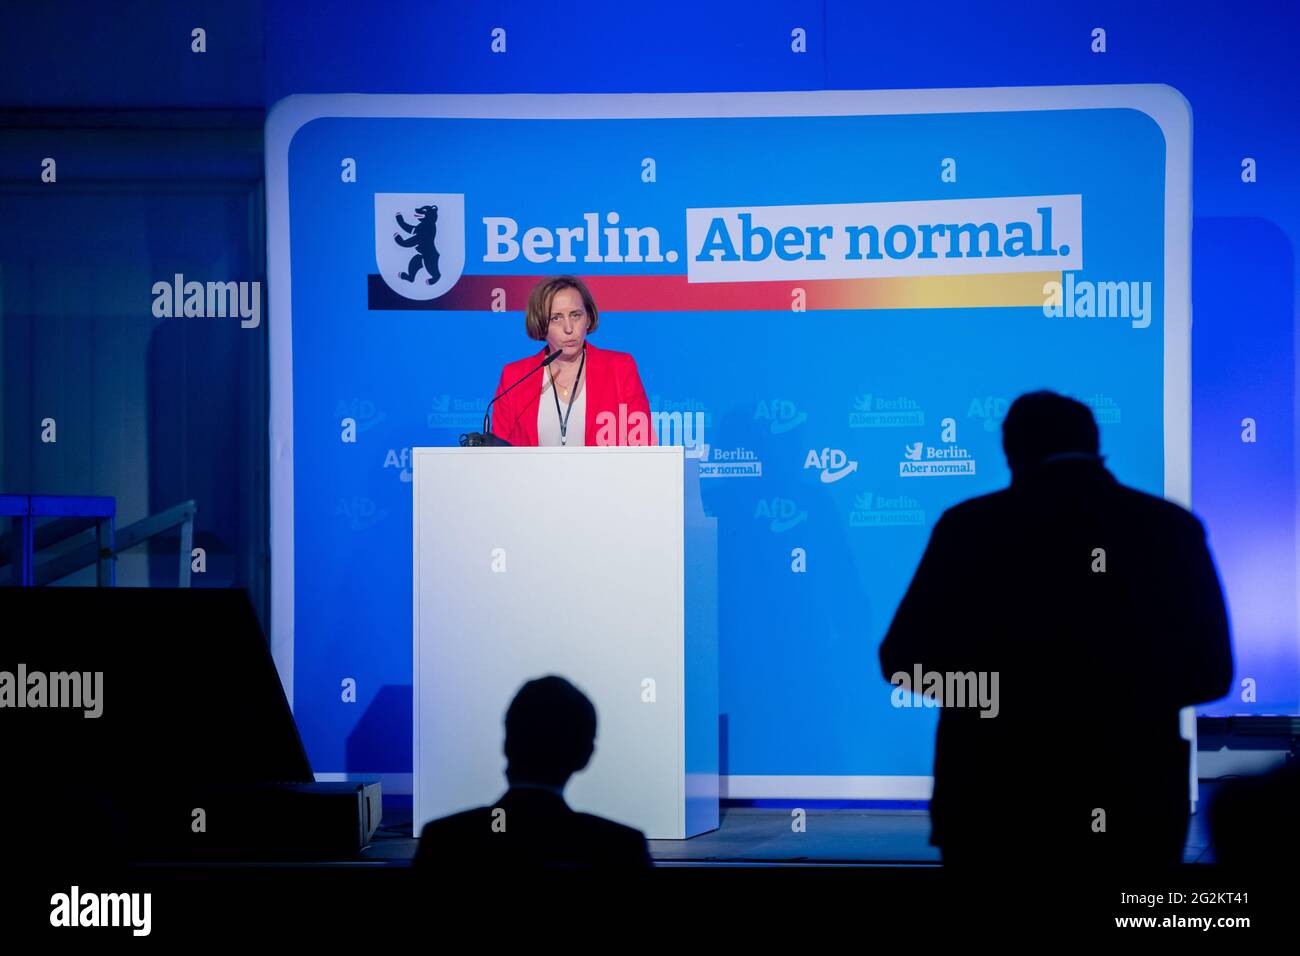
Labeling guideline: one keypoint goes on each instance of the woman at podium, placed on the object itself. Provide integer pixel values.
(585, 395)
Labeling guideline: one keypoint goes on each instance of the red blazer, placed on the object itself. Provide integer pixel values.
(610, 379)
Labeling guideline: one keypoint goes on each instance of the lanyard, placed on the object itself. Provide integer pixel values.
(564, 419)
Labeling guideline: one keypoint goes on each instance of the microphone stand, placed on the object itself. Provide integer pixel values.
(485, 437)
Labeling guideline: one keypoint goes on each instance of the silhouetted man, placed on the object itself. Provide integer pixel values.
(550, 735)
(1099, 610)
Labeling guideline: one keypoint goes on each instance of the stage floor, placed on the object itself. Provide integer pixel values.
(750, 836)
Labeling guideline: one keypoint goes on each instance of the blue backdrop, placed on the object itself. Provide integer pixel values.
(774, 389)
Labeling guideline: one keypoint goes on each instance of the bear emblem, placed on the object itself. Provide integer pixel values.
(422, 237)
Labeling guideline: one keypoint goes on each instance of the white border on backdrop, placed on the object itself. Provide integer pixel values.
(1167, 107)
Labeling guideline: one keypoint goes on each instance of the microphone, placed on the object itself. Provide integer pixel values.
(476, 439)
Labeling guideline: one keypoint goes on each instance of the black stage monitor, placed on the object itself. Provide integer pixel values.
(113, 699)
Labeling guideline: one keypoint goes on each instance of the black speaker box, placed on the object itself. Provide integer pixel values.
(124, 710)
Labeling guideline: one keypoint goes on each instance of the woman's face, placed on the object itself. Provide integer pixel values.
(568, 323)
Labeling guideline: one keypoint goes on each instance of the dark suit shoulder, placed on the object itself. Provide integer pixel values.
(978, 508)
(608, 827)
(615, 843)
(457, 822)
(1123, 499)
(450, 832)
(1161, 509)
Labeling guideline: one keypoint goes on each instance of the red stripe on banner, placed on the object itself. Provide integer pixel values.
(672, 293)
(626, 294)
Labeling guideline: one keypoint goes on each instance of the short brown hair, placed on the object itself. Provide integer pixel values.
(537, 320)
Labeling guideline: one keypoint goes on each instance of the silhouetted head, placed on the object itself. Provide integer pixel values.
(1042, 424)
(550, 732)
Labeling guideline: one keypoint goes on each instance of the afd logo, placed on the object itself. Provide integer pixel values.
(361, 514)
(420, 242)
(360, 410)
(832, 462)
(780, 414)
(400, 458)
(782, 514)
(991, 408)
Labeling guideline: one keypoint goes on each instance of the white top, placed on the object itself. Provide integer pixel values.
(548, 423)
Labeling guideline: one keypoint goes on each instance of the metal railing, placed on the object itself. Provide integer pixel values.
(87, 517)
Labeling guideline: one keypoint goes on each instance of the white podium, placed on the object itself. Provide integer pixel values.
(596, 564)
